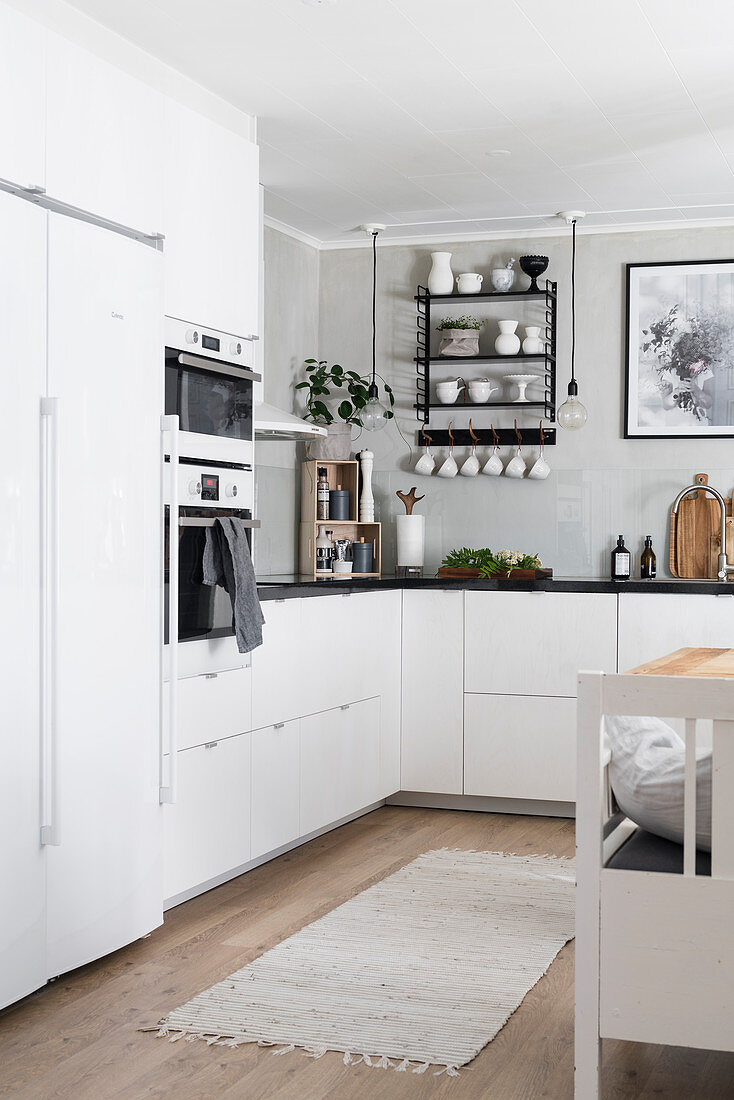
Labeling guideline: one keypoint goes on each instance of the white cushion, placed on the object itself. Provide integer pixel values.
(647, 771)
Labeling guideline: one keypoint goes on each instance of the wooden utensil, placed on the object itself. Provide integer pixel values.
(693, 533)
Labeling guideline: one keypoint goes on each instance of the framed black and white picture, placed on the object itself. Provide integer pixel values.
(680, 350)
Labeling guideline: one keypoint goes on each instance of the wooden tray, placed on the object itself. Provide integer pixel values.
(695, 535)
(457, 572)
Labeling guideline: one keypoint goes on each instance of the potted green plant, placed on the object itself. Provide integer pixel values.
(460, 336)
(320, 383)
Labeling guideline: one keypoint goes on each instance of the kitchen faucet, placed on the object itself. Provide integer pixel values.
(724, 567)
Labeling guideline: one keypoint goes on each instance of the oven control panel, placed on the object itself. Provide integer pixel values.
(199, 484)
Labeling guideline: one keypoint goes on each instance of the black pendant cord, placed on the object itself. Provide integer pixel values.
(374, 298)
(573, 388)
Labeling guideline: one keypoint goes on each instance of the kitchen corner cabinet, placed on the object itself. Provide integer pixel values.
(211, 223)
(22, 84)
(104, 151)
(433, 692)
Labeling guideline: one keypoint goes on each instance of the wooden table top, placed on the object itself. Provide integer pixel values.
(691, 662)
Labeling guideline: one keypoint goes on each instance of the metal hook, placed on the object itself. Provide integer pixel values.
(451, 435)
(426, 436)
(519, 436)
(542, 436)
(472, 433)
(496, 437)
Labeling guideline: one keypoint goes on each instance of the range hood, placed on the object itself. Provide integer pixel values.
(273, 423)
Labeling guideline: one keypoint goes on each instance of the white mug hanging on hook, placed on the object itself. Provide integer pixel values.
(470, 465)
(516, 466)
(540, 468)
(493, 467)
(448, 467)
(426, 464)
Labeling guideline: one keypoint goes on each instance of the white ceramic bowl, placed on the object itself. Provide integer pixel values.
(342, 566)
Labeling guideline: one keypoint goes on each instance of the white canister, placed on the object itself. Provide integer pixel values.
(470, 282)
(411, 540)
(441, 278)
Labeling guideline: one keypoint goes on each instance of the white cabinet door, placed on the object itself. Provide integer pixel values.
(654, 625)
(23, 112)
(22, 317)
(212, 706)
(281, 666)
(534, 643)
(276, 770)
(433, 692)
(104, 340)
(340, 763)
(519, 746)
(105, 138)
(207, 830)
(211, 223)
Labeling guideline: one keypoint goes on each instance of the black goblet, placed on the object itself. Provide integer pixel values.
(533, 266)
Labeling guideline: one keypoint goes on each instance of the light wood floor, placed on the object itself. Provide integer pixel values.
(77, 1038)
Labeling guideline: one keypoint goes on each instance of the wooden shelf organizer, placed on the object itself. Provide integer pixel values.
(346, 474)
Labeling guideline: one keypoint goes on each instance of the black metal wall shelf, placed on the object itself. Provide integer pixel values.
(424, 361)
(506, 437)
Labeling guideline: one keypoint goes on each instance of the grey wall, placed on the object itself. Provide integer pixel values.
(600, 483)
(291, 294)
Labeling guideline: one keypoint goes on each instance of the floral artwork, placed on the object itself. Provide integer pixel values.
(680, 350)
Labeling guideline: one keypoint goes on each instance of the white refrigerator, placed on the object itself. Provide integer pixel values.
(80, 577)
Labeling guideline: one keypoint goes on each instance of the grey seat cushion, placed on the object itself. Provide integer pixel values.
(643, 851)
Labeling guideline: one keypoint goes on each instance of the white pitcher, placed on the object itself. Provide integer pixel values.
(448, 391)
(441, 278)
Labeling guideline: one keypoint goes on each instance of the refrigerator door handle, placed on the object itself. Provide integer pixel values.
(167, 794)
(50, 519)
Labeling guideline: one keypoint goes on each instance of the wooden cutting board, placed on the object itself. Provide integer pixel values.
(458, 572)
(695, 535)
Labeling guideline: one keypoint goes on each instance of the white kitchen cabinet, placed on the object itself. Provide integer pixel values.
(282, 665)
(433, 692)
(653, 625)
(207, 830)
(340, 763)
(211, 223)
(104, 138)
(22, 863)
(535, 643)
(276, 772)
(519, 746)
(22, 94)
(212, 706)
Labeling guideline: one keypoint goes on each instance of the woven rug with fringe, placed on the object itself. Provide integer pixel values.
(419, 971)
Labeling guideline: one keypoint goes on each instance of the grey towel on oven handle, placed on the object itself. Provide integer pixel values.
(227, 562)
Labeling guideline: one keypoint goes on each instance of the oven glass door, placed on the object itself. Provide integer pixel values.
(208, 400)
(204, 611)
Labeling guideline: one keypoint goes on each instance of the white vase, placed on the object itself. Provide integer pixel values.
(507, 343)
(366, 500)
(411, 536)
(532, 344)
(441, 278)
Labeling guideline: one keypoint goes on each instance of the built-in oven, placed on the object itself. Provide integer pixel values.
(209, 381)
(202, 614)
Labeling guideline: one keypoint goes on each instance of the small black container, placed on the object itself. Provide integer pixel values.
(338, 504)
(362, 557)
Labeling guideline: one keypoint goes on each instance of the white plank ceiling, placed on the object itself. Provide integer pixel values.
(441, 116)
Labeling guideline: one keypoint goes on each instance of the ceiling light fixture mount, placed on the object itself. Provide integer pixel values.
(572, 415)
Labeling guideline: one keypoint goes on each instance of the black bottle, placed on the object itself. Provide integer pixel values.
(648, 561)
(621, 561)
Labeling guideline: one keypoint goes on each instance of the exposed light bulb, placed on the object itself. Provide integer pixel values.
(572, 415)
(373, 415)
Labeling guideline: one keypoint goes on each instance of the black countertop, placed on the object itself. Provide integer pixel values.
(291, 585)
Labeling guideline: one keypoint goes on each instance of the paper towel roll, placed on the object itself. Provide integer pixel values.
(411, 537)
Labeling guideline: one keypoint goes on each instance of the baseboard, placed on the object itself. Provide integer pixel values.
(210, 884)
(534, 807)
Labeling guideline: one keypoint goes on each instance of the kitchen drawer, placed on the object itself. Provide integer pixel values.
(207, 830)
(519, 746)
(276, 762)
(212, 707)
(340, 763)
(534, 643)
(653, 625)
(281, 666)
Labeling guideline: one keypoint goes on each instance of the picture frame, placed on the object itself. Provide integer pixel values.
(679, 350)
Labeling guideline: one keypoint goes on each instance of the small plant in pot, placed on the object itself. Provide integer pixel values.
(321, 380)
(459, 336)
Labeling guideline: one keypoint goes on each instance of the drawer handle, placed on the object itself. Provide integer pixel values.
(211, 745)
(210, 675)
(346, 706)
(278, 725)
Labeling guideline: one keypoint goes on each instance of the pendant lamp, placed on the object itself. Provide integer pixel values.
(372, 416)
(572, 415)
